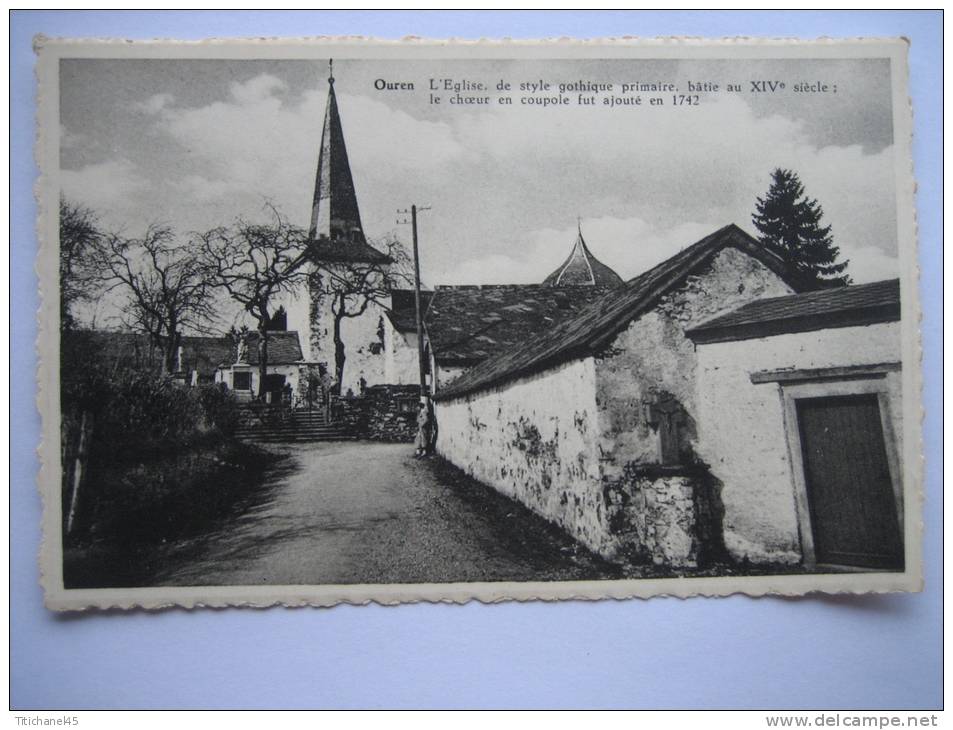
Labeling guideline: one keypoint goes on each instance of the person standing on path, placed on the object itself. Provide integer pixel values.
(424, 429)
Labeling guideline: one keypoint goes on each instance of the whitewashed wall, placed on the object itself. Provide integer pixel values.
(741, 432)
(291, 372)
(400, 356)
(533, 440)
(364, 336)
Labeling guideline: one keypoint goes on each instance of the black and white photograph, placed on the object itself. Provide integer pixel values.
(345, 322)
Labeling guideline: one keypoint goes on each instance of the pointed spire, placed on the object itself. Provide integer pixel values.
(582, 268)
(334, 211)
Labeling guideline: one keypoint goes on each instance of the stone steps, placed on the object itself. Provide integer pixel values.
(294, 436)
(301, 426)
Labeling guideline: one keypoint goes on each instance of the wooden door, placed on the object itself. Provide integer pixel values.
(274, 383)
(850, 493)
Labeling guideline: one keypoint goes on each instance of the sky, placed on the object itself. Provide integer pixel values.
(198, 143)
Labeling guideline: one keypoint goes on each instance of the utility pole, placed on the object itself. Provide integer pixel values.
(421, 360)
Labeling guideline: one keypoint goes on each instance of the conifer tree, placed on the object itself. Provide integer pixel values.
(790, 225)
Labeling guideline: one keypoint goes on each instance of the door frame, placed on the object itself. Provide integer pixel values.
(790, 394)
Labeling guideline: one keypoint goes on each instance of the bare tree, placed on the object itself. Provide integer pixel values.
(353, 285)
(79, 237)
(167, 289)
(253, 264)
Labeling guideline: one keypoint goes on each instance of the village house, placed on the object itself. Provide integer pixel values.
(616, 426)
(241, 371)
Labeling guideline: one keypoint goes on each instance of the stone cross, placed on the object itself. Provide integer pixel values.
(667, 415)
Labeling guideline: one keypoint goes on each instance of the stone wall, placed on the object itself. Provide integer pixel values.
(532, 440)
(655, 519)
(381, 413)
(653, 356)
(741, 431)
(665, 516)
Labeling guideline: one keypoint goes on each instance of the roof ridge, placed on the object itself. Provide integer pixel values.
(470, 287)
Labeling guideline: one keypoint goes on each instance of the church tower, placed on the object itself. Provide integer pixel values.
(337, 245)
(334, 212)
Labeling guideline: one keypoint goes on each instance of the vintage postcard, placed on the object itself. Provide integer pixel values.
(336, 320)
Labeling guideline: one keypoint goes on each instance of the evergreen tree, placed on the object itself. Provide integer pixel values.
(790, 225)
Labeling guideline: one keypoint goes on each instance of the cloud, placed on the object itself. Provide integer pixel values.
(656, 182)
(868, 263)
(258, 145)
(109, 188)
(154, 104)
(505, 185)
(256, 90)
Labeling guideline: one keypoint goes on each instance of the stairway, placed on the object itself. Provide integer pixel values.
(295, 427)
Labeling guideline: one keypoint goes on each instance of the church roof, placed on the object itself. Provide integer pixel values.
(582, 269)
(845, 306)
(467, 324)
(359, 252)
(595, 325)
(335, 229)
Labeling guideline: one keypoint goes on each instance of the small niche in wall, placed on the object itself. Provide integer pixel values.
(667, 417)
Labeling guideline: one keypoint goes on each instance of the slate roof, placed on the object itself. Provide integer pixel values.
(592, 328)
(467, 324)
(284, 348)
(846, 306)
(583, 269)
(334, 209)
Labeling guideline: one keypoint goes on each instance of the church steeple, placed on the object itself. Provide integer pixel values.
(334, 211)
(582, 268)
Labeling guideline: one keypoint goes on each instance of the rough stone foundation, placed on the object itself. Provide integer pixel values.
(654, 519)
(381, 413)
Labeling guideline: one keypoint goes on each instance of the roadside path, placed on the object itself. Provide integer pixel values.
(360, 512)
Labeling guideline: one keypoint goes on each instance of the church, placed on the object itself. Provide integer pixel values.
(355, 317)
